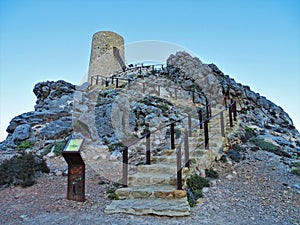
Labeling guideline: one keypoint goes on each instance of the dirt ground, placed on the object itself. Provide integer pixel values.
(258, 190)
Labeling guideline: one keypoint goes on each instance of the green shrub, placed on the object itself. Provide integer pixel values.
(24, 145)
(295, 171)
(18, 171)
(111, 194)
(223, 159)
(211, 173)
(195, 184)
(59, 147)
(266, 146)
(119, 146)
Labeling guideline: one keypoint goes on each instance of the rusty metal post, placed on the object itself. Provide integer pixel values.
(225, 102)
(148, 153)
(193, 96)
(207, 111)
(222, 124)
(172, 132)
(234, 110)
(186, 149)
(179, 169)
(190, 125)
(125, 166)
(230, 115)
(200, 118)
(206, 138)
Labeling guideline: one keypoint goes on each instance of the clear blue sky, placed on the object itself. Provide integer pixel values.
(256, 42)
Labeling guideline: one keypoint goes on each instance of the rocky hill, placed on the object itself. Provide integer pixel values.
(63, 109)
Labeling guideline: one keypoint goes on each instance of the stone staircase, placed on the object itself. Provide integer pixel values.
(153, 188)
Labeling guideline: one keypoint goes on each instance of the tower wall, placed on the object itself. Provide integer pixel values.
(102, 59)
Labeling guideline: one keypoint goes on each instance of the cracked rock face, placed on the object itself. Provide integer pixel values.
(62, 109)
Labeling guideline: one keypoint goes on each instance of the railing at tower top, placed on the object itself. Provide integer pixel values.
(204, 118)
(107, 80)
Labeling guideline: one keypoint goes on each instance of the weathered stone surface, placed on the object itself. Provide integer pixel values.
(21, 133)
(147, 207)
(57, 128)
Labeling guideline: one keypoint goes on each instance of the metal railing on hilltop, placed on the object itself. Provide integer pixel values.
(203, 117)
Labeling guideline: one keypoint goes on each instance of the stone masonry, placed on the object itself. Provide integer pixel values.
(102, 60)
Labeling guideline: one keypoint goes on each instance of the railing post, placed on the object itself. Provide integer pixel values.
(125, 166)
(112, 80)
(97, 80)
(186, 149)
(193, 96)
(179, 169)
(200, 118)
(190, 125)
(234, 110)
(106, 82)
(148, 153)
(172, 132)
(222, 124)
(117, 82)
(230, 115)
(225, 102)
(206, 138)
(207, 113)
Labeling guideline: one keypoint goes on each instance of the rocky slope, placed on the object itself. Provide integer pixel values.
(63, 109)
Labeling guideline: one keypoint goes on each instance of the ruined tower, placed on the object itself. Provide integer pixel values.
(107, 54)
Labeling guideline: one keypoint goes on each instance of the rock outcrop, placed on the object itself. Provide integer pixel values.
(260, 118)
(101, 115)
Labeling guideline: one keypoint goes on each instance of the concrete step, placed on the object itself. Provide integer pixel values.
(157, 168)
(170, 160)
(150, 192)
(160, 207)
(149, 179)
(198, 153)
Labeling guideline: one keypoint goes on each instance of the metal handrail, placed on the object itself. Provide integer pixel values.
(184, 139)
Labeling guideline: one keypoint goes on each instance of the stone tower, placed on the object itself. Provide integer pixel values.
(106, 45)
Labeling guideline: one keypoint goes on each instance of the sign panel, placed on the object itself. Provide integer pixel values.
(73, 145)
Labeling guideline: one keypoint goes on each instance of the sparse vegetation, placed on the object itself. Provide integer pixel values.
(223, 159)
(195, 184)
(211, 173)
(295, 171)
(18, 171)
(111, 194)
(266, 146)
(24, 145)
(116, 146)
(58, 147)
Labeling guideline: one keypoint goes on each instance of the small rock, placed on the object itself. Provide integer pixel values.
(59, 173)
(23, 216)
(51, 155)
(96, 157)
(205, 190)
(229, 177)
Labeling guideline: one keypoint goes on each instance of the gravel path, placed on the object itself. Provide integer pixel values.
(259, 190)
